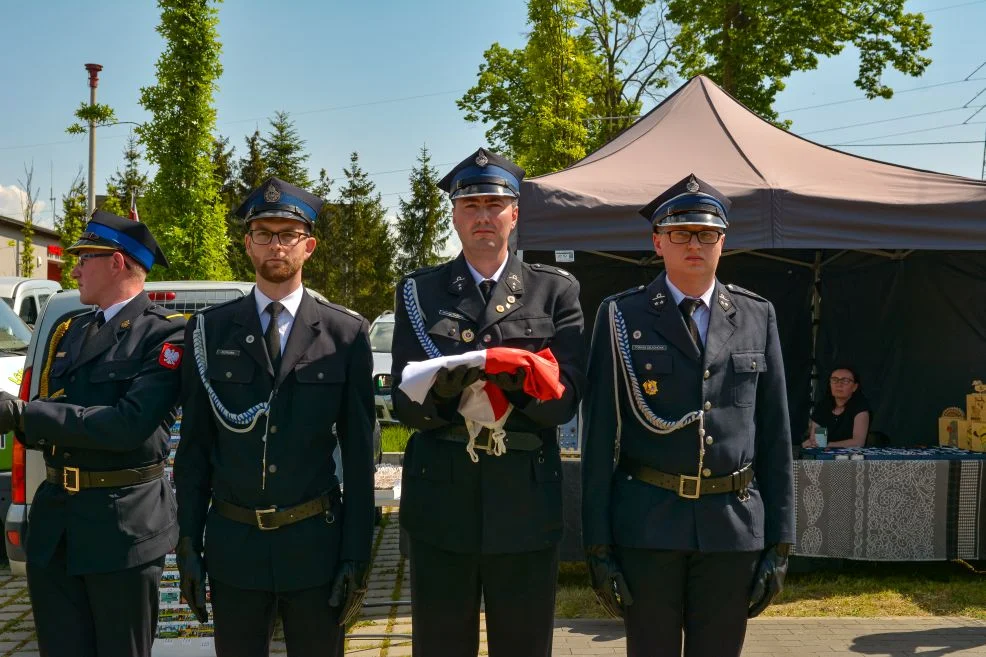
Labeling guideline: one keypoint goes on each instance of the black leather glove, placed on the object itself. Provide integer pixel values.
(607, 579)
(349, 589)
(508, 381)
(769, 580)
(450, 383)
(191, 567)
(11, 413)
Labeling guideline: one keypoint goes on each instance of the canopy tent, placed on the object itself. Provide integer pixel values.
(885, 262)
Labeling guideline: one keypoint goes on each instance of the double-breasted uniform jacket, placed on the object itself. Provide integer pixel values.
(738, 381)
(324, 379)
(114, 404)
(502, 504)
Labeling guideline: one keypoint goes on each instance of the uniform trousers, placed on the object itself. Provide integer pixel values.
(244, 621)
(702, 597)
(110, 614)
(518, 591)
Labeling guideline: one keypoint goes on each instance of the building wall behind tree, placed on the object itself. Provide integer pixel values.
(47, 261)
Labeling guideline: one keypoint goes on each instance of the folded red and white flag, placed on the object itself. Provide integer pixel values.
(483, 404)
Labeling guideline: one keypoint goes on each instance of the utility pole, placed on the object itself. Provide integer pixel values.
(94, 70)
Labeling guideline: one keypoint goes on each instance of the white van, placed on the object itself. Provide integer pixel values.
(27, 296)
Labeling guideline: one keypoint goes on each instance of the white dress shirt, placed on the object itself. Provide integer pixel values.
(702, 314)
(286, 319)
(110, 313)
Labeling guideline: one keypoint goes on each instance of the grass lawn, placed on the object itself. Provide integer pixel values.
(394, 437)
(854, 589)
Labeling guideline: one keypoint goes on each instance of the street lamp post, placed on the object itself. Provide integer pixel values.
(94, 70)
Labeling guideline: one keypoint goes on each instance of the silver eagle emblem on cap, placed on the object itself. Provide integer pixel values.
(482, 160)
(272, 194)
(692, 185)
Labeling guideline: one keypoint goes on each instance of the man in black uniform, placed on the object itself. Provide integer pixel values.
(266, 378)
(691, 532)
(104, 518)
(487, 529)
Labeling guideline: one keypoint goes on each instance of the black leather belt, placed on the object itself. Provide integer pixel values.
(687, 486)
(273, 517)
(73, 479)
(518, 441)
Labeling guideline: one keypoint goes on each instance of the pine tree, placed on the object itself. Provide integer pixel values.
(283, 151)
(130, 180)
(252, 168)
(423, 221)
(70, 226)
(361, 273)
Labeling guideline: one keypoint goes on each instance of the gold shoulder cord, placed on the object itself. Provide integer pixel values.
(46, 371)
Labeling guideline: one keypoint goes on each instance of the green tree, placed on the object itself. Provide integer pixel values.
(252, 168)
(113, 202)
(70, 226)
(750, 47)
(360, 274)
(224, 170)
(283, 151)
(422, 222)
(130, 180)
(189, 218)
(28, 204)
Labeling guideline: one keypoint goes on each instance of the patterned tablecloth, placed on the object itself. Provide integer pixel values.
(891, 505)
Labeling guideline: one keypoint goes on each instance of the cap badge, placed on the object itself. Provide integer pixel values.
(692, 184)
(482, 160)
(272, 194)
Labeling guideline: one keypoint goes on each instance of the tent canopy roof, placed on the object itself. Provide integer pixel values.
(787, 192)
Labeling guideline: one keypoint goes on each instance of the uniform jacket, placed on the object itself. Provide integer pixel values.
(740, 383)
(324, 379)
(508, 503)
(116, 413)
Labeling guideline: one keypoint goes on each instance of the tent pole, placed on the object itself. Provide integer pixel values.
(816, 318)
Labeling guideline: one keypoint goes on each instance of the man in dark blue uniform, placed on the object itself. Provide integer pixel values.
(690, 534)
(482, 525)
(104, 518)
(259, 506)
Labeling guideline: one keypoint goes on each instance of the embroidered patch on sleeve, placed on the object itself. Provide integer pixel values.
(170, 356)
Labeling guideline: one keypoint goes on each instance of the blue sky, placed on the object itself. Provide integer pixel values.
(381, 77)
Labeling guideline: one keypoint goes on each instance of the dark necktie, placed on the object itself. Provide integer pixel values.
(95, 325)
(688, 307)
(486, 288)
(273, 336)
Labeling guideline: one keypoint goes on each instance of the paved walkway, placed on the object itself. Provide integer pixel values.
(384, 629)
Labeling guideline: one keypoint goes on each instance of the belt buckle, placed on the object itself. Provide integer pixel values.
(67, 482)
(697, 481)
(260, 516)
(488, 446)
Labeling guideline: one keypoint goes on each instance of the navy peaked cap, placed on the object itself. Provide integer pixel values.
(276, 198)
(689, 202)
(483, 173)
(109, 232)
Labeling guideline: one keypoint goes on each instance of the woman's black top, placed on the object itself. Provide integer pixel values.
(840, 426)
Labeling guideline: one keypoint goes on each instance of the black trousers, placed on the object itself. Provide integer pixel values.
(703, 596)
(100, 615)
(518, 591)
(244, 621)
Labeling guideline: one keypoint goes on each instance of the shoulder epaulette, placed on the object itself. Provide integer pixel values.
(551, 269)
(625, 293)
(222, 304)
(336, 307)
(425, 270)
(732, 287)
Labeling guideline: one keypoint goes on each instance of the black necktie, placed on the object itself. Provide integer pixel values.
(273, 336)
(95, 325)
(688, 307)
(486, 289)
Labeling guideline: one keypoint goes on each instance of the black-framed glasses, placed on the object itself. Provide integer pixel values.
(844, 380)
(86, 257)
(284, 238)
(685, 236)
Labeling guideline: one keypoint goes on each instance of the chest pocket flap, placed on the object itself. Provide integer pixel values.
(749, 362)
(527, 327)
(115, 370)
(447, 328)
(231, 369)
(324, 370)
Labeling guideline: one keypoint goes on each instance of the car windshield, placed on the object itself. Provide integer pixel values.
(381, 336)
(14, 333)
(9, 300)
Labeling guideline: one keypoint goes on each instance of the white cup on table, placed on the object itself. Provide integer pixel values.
(821, 437)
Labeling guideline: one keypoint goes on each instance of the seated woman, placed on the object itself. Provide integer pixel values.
(844, 412)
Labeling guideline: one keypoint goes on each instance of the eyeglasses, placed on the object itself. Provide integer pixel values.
(86, 257)
(844, 380)
(284, 238)
(685, 236)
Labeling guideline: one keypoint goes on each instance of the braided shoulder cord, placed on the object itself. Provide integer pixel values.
(641, 410)
(416, 317)
(56, 338)
(246, 420)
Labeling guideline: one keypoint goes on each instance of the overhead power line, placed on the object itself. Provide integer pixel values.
(910, 143)
(896, 93)
(913, 132)
(875, 122)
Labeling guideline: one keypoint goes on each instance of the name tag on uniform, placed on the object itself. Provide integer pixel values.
(649, 347)
(227, 352)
